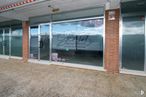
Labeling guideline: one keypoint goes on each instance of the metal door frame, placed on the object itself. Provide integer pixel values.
(10, 34)
(39, 37)
(9, 29)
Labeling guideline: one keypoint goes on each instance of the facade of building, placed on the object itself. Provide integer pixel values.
(107, 35)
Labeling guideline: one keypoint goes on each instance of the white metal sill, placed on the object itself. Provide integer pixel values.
(67, 64)
(42, 62)
(14, 57)
(79, 66)
(133, 72)
(10, 57)
(4, 57)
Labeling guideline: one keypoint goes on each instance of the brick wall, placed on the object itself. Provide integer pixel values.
(112, 42)
(25, 25)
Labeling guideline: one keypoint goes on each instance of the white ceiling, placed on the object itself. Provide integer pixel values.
(25, 12)
(6, 2)
(2, 19)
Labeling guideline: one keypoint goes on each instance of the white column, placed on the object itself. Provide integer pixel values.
(112, 4)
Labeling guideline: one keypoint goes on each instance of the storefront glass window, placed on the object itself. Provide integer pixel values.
(78, 42)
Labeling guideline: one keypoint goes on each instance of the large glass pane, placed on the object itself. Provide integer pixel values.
(6, 41)
(1, 41)
(34, 42)
(44, 42)
(133, 43)
(78, 42)
(16, 41)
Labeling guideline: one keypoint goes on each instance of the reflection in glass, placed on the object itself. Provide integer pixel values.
(44, 42)
(6, 41)
(78, 42)
(1, 41)
(133, 43)
(16, 41)
(34, 42)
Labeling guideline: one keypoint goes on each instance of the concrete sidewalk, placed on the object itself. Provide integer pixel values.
(18, 79)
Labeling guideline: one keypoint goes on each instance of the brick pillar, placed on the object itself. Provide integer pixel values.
(112, 42)
(25, 45)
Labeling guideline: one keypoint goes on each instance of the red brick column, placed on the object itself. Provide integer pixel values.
(112, 42)
(25, 45)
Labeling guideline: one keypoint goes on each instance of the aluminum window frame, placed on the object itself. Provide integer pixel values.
(121, 40)
(145, 47)
(103, 35)
(51, 36)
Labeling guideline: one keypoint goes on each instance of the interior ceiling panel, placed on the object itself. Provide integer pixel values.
(42, 8)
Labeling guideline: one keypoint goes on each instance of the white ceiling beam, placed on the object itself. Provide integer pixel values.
(19, 4)
(8, 11)
(2, 19)
(13, 15)
(41, 8)
(112, 4)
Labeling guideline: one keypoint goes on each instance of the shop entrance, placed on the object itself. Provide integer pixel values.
(40, 42)
(78, 41)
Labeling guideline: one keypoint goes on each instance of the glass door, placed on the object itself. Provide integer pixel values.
(44, 42)
(133, 43)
